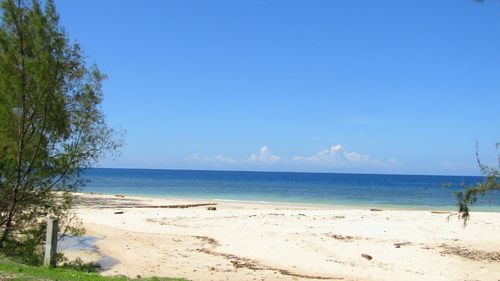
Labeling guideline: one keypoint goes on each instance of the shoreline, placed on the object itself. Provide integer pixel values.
(354, 206)
(242, 241)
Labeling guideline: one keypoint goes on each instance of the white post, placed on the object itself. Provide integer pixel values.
(51, 243)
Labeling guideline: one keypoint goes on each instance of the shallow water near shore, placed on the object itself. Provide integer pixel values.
(87, 244)
(387, 191)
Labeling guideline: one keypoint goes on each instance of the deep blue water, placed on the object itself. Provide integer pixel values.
(406, 191)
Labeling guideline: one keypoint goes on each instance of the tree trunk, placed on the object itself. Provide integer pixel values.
(8, 223)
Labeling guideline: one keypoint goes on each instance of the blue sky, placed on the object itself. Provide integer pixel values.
(328, 86)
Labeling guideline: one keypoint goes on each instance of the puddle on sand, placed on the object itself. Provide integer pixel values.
(86, 243)
(78, 243)
(107, 262)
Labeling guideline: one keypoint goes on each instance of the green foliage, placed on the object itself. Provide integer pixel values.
(79, 265)
(51, 125)
(26, 249)
(470, 195)
(13, 271)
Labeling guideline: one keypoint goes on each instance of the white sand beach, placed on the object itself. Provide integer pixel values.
(247, 241)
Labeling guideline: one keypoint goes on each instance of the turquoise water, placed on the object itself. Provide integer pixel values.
(399, 191)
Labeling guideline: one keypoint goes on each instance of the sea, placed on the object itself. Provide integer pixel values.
(419, 192)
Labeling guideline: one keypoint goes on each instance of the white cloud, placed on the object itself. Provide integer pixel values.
(336, 148)
(211, 159)
(264, 156)
(336, 156)
(356, 157)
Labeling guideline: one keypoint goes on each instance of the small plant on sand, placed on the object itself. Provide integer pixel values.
(470, 195)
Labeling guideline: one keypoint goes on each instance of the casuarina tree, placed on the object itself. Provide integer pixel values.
(51, 122)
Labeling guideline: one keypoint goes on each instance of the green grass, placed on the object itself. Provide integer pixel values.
(10, 270)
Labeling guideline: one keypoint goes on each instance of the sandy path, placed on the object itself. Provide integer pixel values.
(241, 241)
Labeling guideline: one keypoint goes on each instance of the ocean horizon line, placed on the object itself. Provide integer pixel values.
(290, 172)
